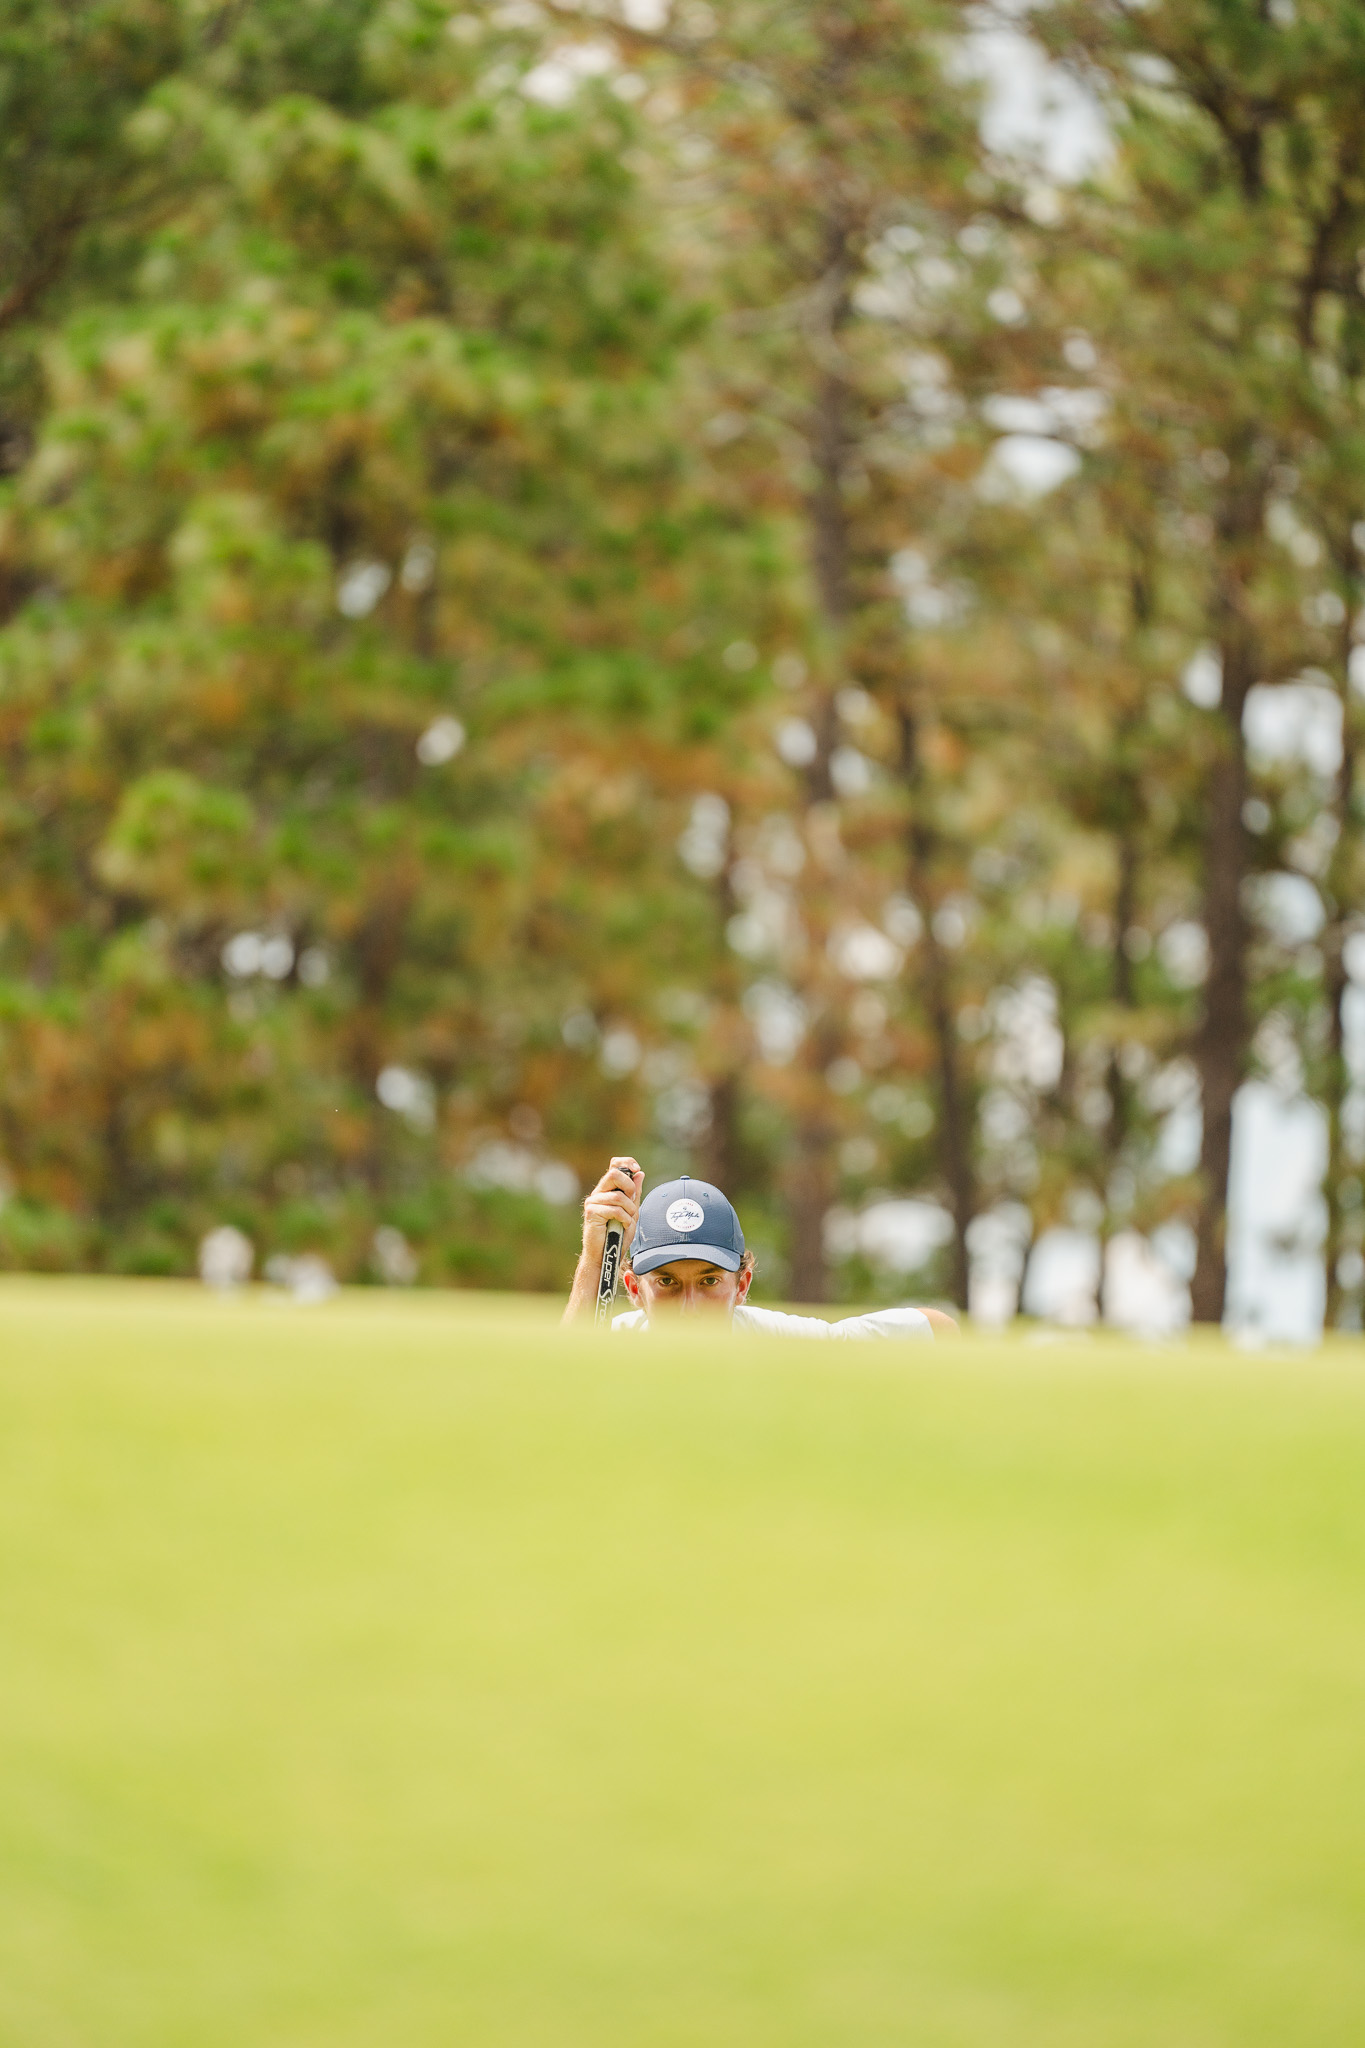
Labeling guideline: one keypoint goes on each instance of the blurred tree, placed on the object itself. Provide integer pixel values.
(76, 178)
(88, 91)
(577, 577)
(1208, 250)
(814, 148)
(358, 530)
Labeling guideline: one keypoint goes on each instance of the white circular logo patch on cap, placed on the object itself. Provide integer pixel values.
(684, 1215)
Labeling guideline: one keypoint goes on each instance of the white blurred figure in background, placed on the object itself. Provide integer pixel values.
(308, 1277)
(225, 1258)
(393, 1257)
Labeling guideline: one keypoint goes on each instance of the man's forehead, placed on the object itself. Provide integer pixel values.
(688, 1269)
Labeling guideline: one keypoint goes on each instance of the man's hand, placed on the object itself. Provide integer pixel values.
(615, 1199)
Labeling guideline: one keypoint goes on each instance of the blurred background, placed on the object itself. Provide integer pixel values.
(770, 585)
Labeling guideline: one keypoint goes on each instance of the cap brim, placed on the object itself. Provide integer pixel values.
(645, 1261)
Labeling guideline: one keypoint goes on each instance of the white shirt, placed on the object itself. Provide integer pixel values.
(770, 1322)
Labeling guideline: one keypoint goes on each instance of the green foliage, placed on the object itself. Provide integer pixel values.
(511, 584)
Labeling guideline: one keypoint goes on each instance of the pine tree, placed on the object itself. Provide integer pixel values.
(820, 144)
(359, 540)
(1227, 209)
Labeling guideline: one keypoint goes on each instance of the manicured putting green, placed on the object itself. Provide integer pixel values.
(400, 1674)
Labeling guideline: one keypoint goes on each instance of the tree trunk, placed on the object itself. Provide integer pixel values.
(813, 1181)
(828, 513)
(1025, 1267)
(1337, 1080)
(954, 1132)
(1116, 1135)
(954, 1136)
(376, 949)
(728, 1035)
(722, 1135)
(812, 1188)
(1220, 1047)
(121, 1182)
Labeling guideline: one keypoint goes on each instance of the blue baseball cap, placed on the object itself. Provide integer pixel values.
(686, 1219)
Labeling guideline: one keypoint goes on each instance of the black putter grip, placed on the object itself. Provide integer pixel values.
(610, 1274)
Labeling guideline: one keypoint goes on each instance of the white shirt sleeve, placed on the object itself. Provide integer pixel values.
(771, 1322)
(885, 1322)
(882, 1322)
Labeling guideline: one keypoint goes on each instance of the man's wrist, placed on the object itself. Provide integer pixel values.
(581, 1291)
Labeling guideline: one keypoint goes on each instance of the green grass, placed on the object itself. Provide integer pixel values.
(402, 1674)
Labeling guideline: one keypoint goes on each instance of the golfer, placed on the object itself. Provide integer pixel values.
(688, 1257)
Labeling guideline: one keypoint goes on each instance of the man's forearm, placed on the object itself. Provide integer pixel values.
(614, 1204)
(583, 1294)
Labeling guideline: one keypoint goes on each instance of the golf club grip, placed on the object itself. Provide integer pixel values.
(610, 1274)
